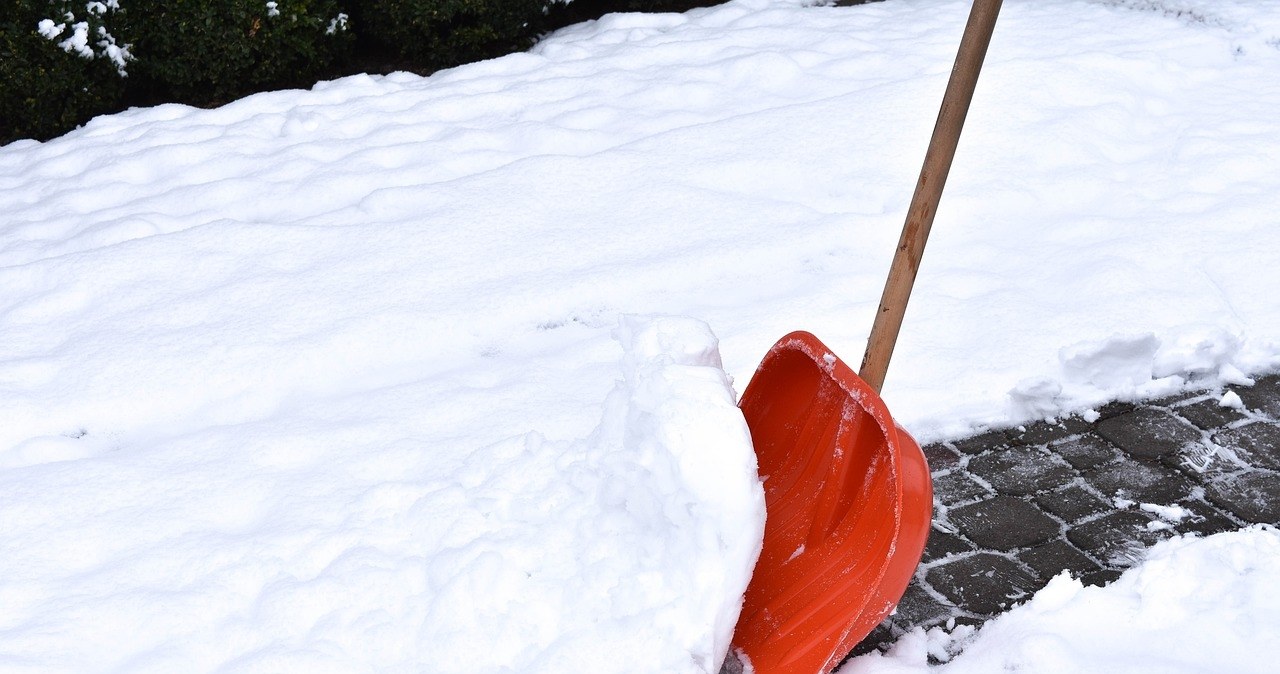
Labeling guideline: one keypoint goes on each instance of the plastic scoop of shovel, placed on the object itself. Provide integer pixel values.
(847, 491)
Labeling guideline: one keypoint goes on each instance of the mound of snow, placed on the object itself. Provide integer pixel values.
(1194, 606)
(293, 544)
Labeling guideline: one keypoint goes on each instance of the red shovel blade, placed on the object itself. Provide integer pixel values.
(849, 501)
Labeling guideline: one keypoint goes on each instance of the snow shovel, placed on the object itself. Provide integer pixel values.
(847, 491)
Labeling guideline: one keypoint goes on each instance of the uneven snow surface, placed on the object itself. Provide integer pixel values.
(355, 534)
(1195, 606)
(341, 379)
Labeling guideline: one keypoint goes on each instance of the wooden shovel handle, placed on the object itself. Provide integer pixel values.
(924, 203)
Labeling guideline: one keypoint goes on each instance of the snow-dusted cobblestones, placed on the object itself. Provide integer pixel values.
(1017, 507)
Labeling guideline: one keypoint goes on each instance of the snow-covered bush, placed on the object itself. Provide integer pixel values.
(211, 51)
(61, 63)
(87, 35)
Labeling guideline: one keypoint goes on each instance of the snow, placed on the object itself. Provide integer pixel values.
(1171, 513)
(1194, 605)
(351, 379)
(346, 535)
(49, 30)
(1231, 400)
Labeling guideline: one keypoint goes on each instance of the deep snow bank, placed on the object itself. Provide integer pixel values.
(346, 544)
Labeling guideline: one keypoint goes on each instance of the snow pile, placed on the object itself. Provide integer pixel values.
(1195, 606)
(336, 540)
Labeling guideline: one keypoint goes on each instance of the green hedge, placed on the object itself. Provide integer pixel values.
(427, 35)
(64, 61)
(206, 52)
(53, 74)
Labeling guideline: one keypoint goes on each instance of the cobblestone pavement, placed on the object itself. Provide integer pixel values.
(1015, 507)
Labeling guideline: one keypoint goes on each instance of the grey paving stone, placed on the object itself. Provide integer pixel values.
(943, 544)
(1252, 497)
(1204, 519)
(1147, 432)
(1257, 444)
(1118, 539)
(1004, 523)
(1010, 541)
(1100, 578)
(1043, 432)
(982, 442)
(1263, 396)
(1142, 482)
(985, 583)
(1056, 556)
(957, 487)
(883, 634)
(1021, 470)
(1085, 451)
(1209, 414)
(940, 457)
(918, 608)
(1072, 503)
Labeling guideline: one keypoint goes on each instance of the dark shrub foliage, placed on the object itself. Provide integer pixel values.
(64, 61)
(561, 15)
(205, 52)
(51, 82)
(427, 35)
